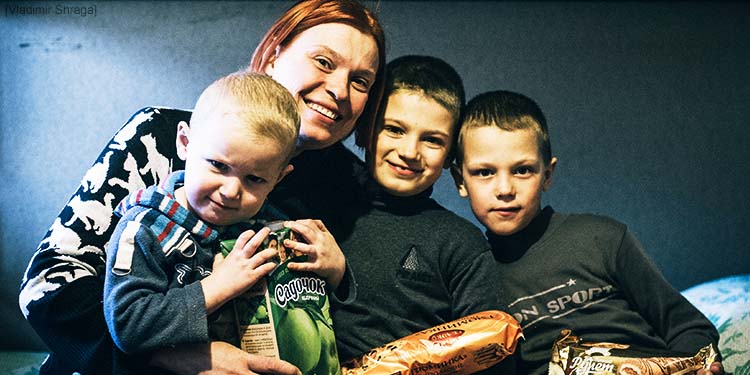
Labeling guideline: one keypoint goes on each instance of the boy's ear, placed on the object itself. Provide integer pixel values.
(288, 169)
(548, 173)
(183, 138)
(458, 179)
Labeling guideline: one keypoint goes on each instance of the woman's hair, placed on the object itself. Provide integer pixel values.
(309, 13)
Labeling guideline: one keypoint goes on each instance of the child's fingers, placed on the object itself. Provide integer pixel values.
(300, 247)
(218, 258)
(320, 225)
(302, 266)
(262, 257)
(242, 239)
(717, 368)
(305, 228)
(264, 269)
(312, 223)
(255, 241)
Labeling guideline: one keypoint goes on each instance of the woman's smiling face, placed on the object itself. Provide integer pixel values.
(329, 69)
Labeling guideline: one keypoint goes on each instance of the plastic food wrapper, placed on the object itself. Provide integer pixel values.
(462, 346)
(285, 315)
(570, 355)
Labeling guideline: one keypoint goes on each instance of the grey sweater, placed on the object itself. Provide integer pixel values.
(416, 265)
(589, 273)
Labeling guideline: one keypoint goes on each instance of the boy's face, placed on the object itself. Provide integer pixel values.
(503, 175)
(229, 171)
(412, 144)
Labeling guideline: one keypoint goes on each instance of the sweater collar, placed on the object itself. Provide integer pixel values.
(510, 248)
(386, 201)
(161, 198)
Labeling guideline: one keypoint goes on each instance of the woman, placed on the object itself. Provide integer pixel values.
(330, 55)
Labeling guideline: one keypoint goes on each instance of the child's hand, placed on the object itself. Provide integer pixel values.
(716, 369)
(240, 270)
(324, 255)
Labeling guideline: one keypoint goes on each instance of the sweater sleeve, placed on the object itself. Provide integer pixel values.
(674, 318)
(472, 266)
(470, 289)
(141, 310)
(346, 292)
(61, 290)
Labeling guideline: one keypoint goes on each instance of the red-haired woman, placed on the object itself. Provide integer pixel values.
(330, 54)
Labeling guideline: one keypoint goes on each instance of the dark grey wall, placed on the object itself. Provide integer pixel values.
(647, 105)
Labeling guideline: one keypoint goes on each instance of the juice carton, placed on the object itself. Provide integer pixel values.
(286, 315)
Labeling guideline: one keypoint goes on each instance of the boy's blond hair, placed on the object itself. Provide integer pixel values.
(264, 105)
(508, 111)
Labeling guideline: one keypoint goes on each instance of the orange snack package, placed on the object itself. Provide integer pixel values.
(570, 355)
(463, 346)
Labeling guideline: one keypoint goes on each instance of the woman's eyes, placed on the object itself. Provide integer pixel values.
(324, 63)
(361, 84)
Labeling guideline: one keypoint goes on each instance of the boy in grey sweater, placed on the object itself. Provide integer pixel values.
(416, 264)
(582, 272)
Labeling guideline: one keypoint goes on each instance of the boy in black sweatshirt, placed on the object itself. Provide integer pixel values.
(584, 272)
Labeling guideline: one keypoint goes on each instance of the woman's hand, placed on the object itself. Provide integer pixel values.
(218, 358)
(240, 270)
(324, 255)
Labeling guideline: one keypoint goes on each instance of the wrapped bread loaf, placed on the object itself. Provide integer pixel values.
(462, 346)
(570, 355)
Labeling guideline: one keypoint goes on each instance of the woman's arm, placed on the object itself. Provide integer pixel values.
(62, 287)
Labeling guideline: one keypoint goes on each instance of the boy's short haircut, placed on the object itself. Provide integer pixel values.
(264, 105)
(508, 111)
(428, 76)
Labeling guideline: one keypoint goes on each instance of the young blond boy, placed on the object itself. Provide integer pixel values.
(584, 272)
(163, 275)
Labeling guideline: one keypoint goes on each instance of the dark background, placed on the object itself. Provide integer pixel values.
(647, 104)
